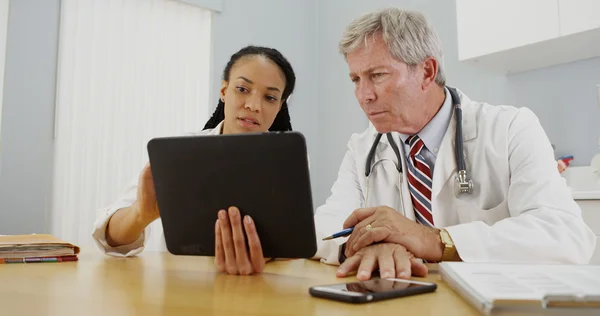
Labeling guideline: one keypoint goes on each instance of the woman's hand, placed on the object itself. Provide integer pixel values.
(145, 205)
(127, 224)
(232, 254)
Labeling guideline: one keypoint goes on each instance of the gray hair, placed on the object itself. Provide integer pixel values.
(408, 35)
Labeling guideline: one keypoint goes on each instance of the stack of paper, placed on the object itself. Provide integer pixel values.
(35, 248)
(549, 289)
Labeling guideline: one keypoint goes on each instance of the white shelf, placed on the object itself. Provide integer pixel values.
(578, 15)
(586, 195)
(546, 53)
(512, 36)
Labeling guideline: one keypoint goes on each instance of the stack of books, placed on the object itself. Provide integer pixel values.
(36, 248)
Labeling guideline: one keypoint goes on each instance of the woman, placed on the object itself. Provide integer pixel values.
(257, 81)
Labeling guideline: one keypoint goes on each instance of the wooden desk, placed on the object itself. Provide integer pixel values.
(162, 284)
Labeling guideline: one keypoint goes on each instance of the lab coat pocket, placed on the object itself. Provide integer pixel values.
(472, 213)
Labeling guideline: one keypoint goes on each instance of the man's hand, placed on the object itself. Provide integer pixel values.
(392, 260)
(384, 224)
(232, 254)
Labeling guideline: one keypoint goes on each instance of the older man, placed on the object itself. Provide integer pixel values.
(407, 194)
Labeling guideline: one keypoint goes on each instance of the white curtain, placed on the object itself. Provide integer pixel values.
(4, 6)
(129, 70)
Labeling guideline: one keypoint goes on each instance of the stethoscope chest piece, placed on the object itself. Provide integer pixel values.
(463, 184)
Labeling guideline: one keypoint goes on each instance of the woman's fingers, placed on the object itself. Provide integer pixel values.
(242, 260)
(227, 239)
(219, 251)
(256, 253)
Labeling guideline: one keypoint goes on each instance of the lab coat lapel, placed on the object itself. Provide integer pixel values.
(216, 130)
(384, 151)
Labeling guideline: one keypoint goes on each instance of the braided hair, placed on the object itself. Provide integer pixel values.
(282, 120)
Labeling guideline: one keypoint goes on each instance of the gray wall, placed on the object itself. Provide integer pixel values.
(339, 112)
(28, 116)
(288, 26)
(565, 98)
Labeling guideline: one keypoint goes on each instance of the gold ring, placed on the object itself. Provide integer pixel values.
(368, 227)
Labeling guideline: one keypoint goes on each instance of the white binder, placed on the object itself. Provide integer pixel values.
(518, 288)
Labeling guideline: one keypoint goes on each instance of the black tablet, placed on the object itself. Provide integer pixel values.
(264, 174)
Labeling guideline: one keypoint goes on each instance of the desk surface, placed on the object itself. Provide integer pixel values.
(161, 284)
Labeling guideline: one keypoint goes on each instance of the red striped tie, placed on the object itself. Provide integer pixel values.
(419, 182)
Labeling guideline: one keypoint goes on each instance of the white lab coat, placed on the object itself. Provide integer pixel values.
(521, 209)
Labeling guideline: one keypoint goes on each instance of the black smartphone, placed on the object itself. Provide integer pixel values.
(371, 290)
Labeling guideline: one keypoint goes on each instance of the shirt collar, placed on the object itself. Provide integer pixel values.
(433, 133)
(218, 130)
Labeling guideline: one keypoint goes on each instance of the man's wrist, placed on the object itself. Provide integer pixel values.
(449, 252)
(439, 245)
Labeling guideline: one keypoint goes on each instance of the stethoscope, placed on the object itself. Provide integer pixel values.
(463, 183)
